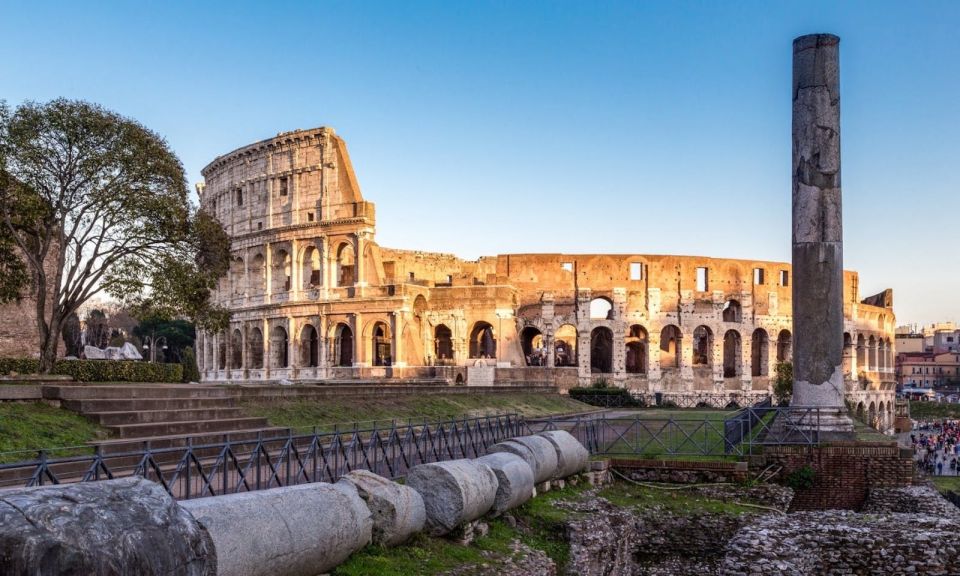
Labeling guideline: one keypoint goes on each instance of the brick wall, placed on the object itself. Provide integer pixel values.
(844, 471)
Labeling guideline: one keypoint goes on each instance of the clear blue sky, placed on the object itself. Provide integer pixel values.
(486, 127)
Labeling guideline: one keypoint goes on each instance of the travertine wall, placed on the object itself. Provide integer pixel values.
(313, 295)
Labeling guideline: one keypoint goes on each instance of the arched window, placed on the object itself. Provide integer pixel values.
(279, 348)
(847, 356)
(872, 355)
(483, 344)
(759, 353)
(861, 353)
(345, 265)
(236, 349)
(381, 344)
(670, 347)
(255, 348)
(343, 345)
(257, 275)
(443, 343)
(702, 346)
(601, 350)
(280, 275)
(601, 309)
(309, 346)
(731, 354)
(732, 312)
(311, 268)
(565, 346)
(637, 345)
(222, 349)
(784, 346)
(531, 341)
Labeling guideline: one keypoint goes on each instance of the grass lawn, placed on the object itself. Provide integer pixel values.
(327, 412)
(676, 434)
(29, 426)
(946, 483)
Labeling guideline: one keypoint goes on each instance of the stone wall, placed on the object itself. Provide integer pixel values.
(844, 472)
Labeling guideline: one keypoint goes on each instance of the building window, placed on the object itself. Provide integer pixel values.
(568, 266)
(636, 271)
(259, 225)
(239, 196)
(703, 279)
(412, 276)
(283, 186)
(784, 278)
(449, 279)
(758, 276)
(309, 216)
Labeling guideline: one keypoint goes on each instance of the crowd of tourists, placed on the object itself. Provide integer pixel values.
(936, 447)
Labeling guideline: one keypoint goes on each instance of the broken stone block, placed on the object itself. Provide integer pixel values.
(453, 492)
(398, 511)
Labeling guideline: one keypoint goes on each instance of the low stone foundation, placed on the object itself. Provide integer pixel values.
(681, 472)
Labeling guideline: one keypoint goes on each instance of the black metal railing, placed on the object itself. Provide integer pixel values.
(198, 470)
(240, 465)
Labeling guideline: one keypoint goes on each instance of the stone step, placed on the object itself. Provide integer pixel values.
(86, 406)
(135, 391)
(186, 428)
(120, 418)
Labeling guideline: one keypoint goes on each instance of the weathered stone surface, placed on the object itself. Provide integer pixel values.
(536, 451)
(817, 227)
(127, 526)
(398, 511)
(572, 457)
(514, 480)
(453, 492)
(300, 530)
(836, 543)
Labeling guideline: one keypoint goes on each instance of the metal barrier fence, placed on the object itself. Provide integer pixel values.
(198, 470)
(672, 434)
(195, 471)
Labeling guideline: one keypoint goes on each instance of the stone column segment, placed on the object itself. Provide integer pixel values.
(817, 227)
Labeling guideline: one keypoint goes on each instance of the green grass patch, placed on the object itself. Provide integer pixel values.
(685, 501)
(31, 426)
(947, 483)
(325, 413)
(693, 435)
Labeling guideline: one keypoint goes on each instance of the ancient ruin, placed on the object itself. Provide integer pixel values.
(314, 297)
(818, 229)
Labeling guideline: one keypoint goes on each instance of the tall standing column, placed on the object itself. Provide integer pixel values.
(817, 227)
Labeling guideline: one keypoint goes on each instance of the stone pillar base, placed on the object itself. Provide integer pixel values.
(830, 420)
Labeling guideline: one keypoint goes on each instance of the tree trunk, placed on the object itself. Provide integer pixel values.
(48, 347)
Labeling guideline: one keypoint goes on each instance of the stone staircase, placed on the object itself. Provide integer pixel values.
(165, 415)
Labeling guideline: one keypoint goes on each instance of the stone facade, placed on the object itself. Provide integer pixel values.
(314, 297)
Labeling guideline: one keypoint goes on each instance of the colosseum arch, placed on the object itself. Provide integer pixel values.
(238, 276)
(443, 344)
(601, 350)
(531, 341)
(732, 311)
(670, 346)
(732, 354)
(784, 346)
(861, 354)
(369, 266)
(222, 361)
(282, 271)
(236, 349)
(483, 343)
(759, 353)
(702, 346)
(255, 348)
(861, 415)
(881, 355)
(256, 276)
(381, 344)
(601, 308)
(565, 345)
(871, 354)
(309, 346)
(345, 262)
(342, 345)
(847, 356)
(637, 350)
(311, 268)
(872, 415)
(279, 347)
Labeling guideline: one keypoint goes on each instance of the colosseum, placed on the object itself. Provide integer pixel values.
(314, 298)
